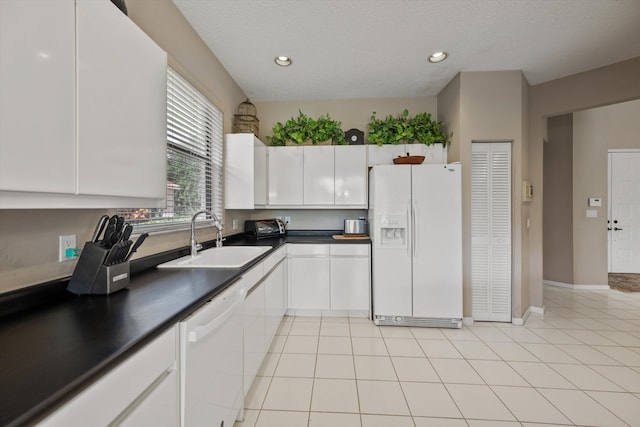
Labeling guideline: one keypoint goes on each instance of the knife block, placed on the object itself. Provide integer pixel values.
(92, 277)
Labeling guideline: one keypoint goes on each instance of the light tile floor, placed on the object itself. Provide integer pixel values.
(579, 364)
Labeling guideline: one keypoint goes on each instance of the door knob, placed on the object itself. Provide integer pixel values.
(617, 229)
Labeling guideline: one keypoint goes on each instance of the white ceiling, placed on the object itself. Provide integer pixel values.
(379, 48)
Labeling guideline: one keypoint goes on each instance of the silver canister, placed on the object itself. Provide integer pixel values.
(355, 226)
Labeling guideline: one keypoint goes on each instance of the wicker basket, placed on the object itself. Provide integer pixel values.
(408, 160)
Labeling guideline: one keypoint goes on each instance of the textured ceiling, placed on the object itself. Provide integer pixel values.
(379, 48)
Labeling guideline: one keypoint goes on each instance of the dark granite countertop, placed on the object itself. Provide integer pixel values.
(53, 350)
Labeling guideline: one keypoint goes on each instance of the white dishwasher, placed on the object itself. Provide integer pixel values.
(211, 355)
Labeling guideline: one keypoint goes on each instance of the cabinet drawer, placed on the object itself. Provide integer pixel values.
(308, 249)
(350, 250)
(120, 387)
(253, 276)
(274, 259)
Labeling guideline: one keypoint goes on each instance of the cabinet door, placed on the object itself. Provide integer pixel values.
(351, 175)
(434, 154)
(350, 284)
(125, 389)
(309, 283)
(285, 176)
(275, 302)
(159, 408)
(238, 171)
(259, 173)
(37, 101)
(318, 175)
(254, 334)
(383, 155)
(122, 105)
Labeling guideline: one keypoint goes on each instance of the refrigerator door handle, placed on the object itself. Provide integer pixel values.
(408, 232)
(415, 228)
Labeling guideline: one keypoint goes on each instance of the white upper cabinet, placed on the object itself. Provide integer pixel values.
(245, 173)
(37, 96)
(285, 169)
(384, 155)
(83, 107)
(351, 176)
(318, 175)
(122, 105)
(325, 177)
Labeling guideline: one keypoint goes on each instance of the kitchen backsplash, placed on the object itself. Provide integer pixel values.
(29, 242)
(29, 238)
(312, 219)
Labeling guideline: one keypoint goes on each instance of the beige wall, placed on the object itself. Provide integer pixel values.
(603, 86)
(449, 111)
(558, 200)
(595, 131)
(353, 113)
(490, 106)
(29, 238)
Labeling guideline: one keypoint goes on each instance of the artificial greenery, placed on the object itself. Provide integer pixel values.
(304, 128)
(403, 129)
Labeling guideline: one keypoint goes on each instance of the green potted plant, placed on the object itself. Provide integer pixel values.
(303, 129)
(403, 129)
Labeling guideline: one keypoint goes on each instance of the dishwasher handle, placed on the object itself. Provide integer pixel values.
(202, 331)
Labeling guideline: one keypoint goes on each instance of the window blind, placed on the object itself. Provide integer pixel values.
(194, 159)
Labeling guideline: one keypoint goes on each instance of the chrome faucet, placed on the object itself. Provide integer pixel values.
(195, 246)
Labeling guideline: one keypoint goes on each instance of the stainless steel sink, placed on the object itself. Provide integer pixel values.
(224, 257)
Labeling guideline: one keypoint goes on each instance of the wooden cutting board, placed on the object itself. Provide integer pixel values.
(351, 237)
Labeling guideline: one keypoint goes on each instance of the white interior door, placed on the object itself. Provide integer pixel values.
(491, 231)
(624, 208)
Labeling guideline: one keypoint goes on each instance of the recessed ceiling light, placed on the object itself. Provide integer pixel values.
(283, 61)
(438, 57)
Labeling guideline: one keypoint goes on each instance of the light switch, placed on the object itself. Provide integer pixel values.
(591, 213)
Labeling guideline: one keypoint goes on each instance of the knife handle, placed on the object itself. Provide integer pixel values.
(126, 233)
(101, 224)
(137, 245)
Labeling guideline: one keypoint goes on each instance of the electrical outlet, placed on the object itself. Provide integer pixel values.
(66, 242)
(234, 224)
(287, 220)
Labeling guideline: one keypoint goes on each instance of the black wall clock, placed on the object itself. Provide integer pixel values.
(354, 137)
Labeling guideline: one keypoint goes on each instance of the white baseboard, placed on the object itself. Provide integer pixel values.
(578, 287)
(537, 310)
(467, 321)
(520, 321)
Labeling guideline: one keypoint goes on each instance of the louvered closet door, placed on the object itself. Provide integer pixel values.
(491, 231)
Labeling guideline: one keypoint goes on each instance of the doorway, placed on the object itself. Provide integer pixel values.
(624, 211)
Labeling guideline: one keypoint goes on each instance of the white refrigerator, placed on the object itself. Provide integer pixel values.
(415, 223)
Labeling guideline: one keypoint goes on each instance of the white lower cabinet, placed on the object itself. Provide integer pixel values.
(142, 390)
(350, 278)
(329, 279)
(221, 346)
(264, 308)
(254, 326)
(275, 298)
(309, 283)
